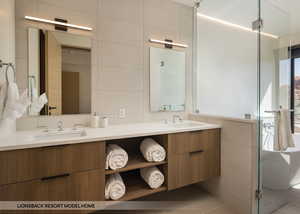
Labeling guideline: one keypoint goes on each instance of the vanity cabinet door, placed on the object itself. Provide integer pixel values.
(63, 159)
(29, 191)
(179, 171)
(193, 157)
(212, 153)
(197, 140)
(205, 155)
(179, 143)
(85, 186)
(198, 167)
(20, 165)
(29, 164)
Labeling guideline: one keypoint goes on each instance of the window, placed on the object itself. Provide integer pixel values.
(295, 88)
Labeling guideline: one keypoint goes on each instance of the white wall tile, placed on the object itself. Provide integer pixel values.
(120, 55)
(21, 72)
(161, 14)
(120, 31)
(86, 6)
(129, 11)
(21, 42)
(110, 103)
(130, 81)
(7, 31)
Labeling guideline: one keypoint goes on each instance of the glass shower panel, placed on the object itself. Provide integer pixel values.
(278, 167)
(227, 58)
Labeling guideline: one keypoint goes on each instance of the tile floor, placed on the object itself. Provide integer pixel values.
(293, 203)
(288, 209)
(191, 200)
(273, 200)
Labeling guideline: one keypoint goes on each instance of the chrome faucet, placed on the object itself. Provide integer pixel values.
(177, 118)
(60, 126)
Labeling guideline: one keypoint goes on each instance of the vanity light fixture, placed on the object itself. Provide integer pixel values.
(220, 21)
(31, 18)
(168, 43)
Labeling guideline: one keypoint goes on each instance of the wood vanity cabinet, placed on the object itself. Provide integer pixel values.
(77, 172)
(193, 157)
(58, 173)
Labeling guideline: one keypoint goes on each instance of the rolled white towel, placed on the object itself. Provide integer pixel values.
(116, 157)
(153, 177)
(114, 187)
(152, 151)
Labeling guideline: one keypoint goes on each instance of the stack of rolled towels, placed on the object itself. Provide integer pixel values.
(116, 157)
(152, 151)
(114, 187)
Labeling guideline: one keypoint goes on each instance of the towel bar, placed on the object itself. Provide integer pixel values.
(277, 111)
(8, 65)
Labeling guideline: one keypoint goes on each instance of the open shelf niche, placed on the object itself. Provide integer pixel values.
(136, 187)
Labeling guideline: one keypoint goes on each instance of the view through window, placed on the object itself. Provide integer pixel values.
(297, 94)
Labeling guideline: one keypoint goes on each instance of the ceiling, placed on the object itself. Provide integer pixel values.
(280, 16)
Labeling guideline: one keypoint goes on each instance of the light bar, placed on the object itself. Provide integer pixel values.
(168, 43)
(235, 25)
(31, 18)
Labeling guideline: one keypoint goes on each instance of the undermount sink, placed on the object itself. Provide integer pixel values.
(186, 124)
(52, 135)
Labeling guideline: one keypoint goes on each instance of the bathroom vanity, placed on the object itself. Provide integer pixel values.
(73, 169)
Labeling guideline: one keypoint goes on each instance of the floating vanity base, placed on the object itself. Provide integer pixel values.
(76, 172)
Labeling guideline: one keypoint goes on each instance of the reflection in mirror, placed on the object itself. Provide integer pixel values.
(59, 65)
(167, 80)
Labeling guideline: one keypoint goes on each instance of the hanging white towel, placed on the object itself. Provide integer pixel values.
(3, 97)
(116, 157)
(114, 187)
(285, 138)
(15, 105)
(152, 151)
(153, 177)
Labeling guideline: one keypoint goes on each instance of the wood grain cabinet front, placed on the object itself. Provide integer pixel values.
(82, 186)
(29, 164)
(77, 172)
(193, 157)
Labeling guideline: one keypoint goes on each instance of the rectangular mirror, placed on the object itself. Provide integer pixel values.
(59, 64)
(167, 80)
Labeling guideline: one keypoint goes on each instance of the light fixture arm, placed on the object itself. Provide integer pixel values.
(168, 42)
(31, 18)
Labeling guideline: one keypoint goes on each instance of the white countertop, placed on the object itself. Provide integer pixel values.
(26, 139)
